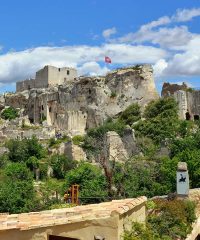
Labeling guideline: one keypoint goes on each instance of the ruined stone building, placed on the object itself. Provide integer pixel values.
(46, 77)
(188, 100)
(76, 105)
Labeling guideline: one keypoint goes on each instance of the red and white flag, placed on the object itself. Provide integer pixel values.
(108, 60)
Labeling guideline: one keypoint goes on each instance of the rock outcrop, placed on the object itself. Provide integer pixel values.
(118, 148)
(87, 101)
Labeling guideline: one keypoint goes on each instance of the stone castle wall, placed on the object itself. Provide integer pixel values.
(48, 76)
(25, 85)
(188, 100)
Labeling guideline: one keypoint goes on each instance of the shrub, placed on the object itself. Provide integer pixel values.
(111, 125)
(77, 140)
(56, 142)
(113, 94)
(169, 220)
(131, 114)
(9, 113)
(61, 164)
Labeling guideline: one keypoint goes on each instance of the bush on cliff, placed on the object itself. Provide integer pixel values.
(131, 114)
(9, 113)
(161, 120)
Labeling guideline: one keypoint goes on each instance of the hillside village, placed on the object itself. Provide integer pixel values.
(112, 135)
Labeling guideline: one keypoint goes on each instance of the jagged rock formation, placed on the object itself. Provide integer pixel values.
(87, 101)
(118, 148)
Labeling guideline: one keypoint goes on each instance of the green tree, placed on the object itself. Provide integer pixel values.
(21, 151)
(91, 180)
(51, 192)
(61, 164)
(163, 108)
(161, 120)
(16, 190)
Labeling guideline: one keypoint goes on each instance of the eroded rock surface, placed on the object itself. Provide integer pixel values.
(87, 101)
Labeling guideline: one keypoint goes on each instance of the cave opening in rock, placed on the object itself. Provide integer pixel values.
(187, 116)
(196, 117)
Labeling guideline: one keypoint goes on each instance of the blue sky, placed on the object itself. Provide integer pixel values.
(80, 33)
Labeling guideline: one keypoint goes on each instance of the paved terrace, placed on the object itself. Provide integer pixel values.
(65, 216)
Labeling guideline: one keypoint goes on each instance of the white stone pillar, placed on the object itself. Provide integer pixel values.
(182, 179)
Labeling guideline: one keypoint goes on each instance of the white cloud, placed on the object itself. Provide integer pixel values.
(108, 32)
(157, 32)
(92, 69)
(186, 63)
(173, 38)
(184, 15)
(173, 50)
(15, 66)
(159, 67)
(161, 21)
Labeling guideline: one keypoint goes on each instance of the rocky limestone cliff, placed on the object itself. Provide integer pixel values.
(88, 101)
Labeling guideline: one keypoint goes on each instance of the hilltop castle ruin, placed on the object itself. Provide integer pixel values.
(188, 100)
(74, 104)
(46, 77)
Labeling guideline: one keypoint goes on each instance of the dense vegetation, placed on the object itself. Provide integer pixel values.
(166, 220)
(9, 113)
(147, 173)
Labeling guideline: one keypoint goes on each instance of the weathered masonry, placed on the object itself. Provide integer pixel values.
(46, 77)
(188, 100)
(106, 221)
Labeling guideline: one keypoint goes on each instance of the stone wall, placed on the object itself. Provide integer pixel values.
(58, 76)
(181, 98)
(41, 78)
(188, 100)
(169, 89)
(25, 85)
(48, 76)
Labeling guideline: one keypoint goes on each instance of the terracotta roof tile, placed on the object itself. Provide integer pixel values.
(46, 218)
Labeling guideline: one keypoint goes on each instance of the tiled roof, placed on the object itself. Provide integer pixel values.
(62, 216)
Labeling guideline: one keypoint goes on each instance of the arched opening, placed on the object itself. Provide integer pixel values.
(187, 116)
(196, 117)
